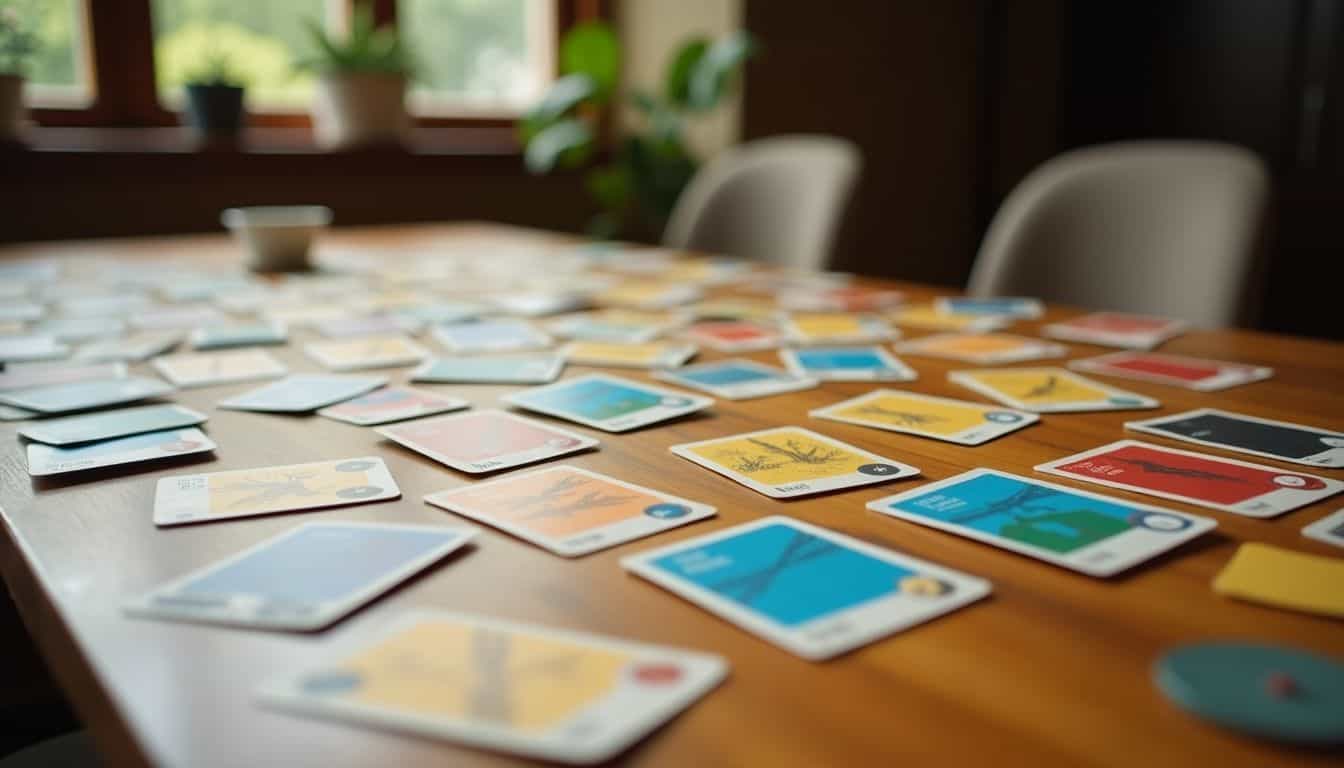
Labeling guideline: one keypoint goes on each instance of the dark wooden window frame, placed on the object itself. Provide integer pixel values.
(120, 40)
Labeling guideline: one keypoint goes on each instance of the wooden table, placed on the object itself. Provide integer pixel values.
(1053, 669)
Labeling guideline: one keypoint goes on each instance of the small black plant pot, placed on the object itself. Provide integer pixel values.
(215, 110)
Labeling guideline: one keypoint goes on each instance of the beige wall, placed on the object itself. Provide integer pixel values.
(651, 32)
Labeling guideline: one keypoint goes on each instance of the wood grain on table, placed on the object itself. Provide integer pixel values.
(1052, 669)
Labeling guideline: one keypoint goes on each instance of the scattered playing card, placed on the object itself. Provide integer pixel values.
(303, 392)
(646, 355)
(135, 348)
(812, 592)
(486, 441)
(77, 396)
(365, 352)
(109, 424)
(537, 692)
(955, 421)
(785, 462)
(1000, 306)
(68, 328)
(178, 317)
(10, 413)
(570, 511)
(641, 294)
(206, 369)
(733, 335)
(1283, 578)
(266, 490)
(982, 348)
(735, 309)
(737, 379)
(1086, 532)
(392, 404)
(603, 327)
(499, 335)
(1254, 490)
(34, 375)
(53, 460)
(846, 364)
(929, 317)
(104, 305)
(540, 303)
(1280, 440)
(1329, 529)
(18, 349)
(304, 579)
(226, 336)
(1116, 329)
(836, 328)
(367, 325)
(21, 311)
(1049, 390)
(1177, 370)
(608, 403)
(533, 369)
(840, 299)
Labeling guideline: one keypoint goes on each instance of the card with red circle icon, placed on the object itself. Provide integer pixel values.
(529, 690)
(486, 441)
(1254, 490)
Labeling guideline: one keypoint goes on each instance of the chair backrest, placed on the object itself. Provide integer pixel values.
(1159, 227)
(779, 199)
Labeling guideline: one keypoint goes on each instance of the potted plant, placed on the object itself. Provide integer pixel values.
(648, 168)
(17, 45)
(361, 84)
(215, 98)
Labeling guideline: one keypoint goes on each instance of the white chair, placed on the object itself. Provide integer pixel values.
(779, 200)
(1157, 227)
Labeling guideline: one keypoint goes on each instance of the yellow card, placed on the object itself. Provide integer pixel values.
(1284, 578)
(649, 294)
(1049, 389)
(648, 355)
(735, 309)
(836, 327)
(930, 317)
(937, 417)
(983, 348)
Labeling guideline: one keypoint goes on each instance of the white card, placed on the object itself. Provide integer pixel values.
(1329, 529)
(79, 395)
(18, 349)
(499, 335)
(737, 379)
(131, 349)
(303, 392)
(389, 404)
(486, 441)
(206, 369)
(609, 403)
(814, 592)
(34, 375)
(533, 369)
(54, 460)
(304, 579)
(365, 352)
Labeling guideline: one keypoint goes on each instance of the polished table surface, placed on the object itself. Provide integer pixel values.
(1053, 669)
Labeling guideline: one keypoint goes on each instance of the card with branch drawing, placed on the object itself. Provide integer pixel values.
(570, 511)
(941, 418)
(791, 461)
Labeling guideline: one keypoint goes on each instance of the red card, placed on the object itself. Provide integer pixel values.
(1115, 322)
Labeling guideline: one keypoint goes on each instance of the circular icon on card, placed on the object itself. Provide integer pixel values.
(924, 586)
(334, 681)
(1290, 481)
(878, 470)
(359, 492)
(667, 511)
(1003, 417)
(357, 465)
(656, 673)
(1159, 521)
(1333, 442)
(674, 402)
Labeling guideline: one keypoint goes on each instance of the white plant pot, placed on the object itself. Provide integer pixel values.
(355, 109)
(11, 106)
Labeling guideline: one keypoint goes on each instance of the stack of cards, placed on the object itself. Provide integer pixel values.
(955, 421)
(571, 511)
(846, 364)
(537, 692)
(609, 403)
(982, 348)
(1176, 370)
(1049, 390)
(1116, 329)
(811, 591)
(1086, 532)
(486, 441)
(737, 379)
(786, 462)
(267, 490)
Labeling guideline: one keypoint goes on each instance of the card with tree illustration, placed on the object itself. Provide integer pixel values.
(791, 461)
(941, 418)
(570, 511)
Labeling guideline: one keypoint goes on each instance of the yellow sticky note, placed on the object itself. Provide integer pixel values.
(1284, 578)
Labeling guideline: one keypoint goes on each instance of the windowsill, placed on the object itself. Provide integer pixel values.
(488, 141)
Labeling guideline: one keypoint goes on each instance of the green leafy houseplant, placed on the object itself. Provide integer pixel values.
(368, 48)
(647, 169)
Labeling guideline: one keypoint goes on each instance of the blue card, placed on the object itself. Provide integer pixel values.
(847, 364)
(1086, 532)
(608, 403)
(811, 591)
(737, 379)
(535, 369)
(304, 579)
(303, 392)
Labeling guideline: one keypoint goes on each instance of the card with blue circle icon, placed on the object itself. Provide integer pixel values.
(570, 511)
(811, 591)
(847, 364)
(609, 403)
(737, 379)
(941, 418)
(1086, 532)
(304, 579)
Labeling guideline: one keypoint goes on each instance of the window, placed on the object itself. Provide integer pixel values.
(59, 72)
